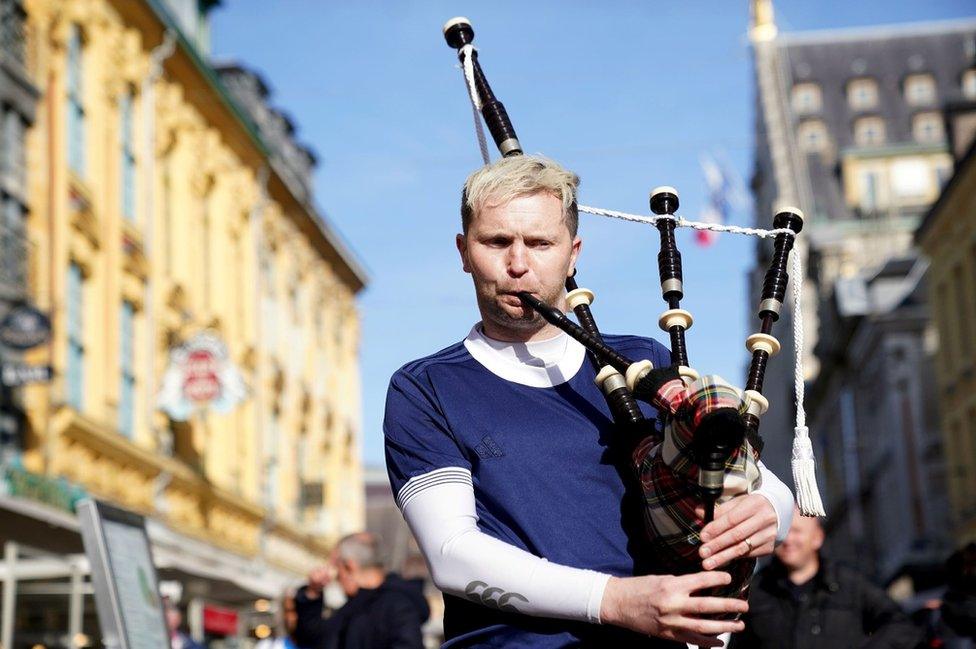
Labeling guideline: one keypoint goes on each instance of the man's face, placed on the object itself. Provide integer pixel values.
(346, 573)
(802, 543)
(522, 245)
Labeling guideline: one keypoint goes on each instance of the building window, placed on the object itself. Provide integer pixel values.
(920, 89)
(295, 302)
(13, 243)
(943, 172)
(75, 374)
(812, 135)
(870, 191)
(127, 365)
(869, 131)
(13, 149)
(969, 84)
(12, 31)
(862, 94)
(927, 127)
(962, 315)
(807, 98)
(911, 180)
(271, 461)
(128, 156)
(76, 104)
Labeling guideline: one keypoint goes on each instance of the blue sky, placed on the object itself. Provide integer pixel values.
(628, 94)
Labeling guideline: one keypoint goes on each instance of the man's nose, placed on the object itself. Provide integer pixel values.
(518, 263)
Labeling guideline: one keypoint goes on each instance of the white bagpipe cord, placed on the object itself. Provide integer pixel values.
(468, 67)
(804, 468)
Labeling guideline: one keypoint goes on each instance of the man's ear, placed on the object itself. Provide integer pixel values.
(577, 246)
(462, 246)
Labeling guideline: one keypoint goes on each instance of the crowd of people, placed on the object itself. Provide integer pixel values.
(799, 600)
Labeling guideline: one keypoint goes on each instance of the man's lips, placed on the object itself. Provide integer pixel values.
(512, 297)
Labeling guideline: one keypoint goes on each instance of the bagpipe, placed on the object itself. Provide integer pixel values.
(710, 445)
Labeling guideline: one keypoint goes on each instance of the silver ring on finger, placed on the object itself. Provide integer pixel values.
(749, 543)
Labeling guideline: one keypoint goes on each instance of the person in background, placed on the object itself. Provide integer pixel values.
(382, 610)
(174, 618)
(286, 619)
(959, 603)
(804, 601)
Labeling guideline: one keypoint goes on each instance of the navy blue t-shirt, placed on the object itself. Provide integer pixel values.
(550, 476)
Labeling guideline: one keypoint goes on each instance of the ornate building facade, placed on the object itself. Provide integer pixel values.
(205, 331)
(948, 238)
(850, 128)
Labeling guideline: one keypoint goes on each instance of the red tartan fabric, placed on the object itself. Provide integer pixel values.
(669, 477)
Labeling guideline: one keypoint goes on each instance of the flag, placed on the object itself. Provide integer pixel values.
(720, 187)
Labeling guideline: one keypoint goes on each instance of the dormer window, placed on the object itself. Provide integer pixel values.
(920, 89)
(806, 98)
(969, 84)
(927, 127)
(862, 94)
(869, 131)
(812, 135)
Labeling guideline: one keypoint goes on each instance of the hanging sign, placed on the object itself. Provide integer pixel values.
(15, 374)
(24, 327)
(200, 376)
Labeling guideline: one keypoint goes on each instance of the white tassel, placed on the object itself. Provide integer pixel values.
(805, 474)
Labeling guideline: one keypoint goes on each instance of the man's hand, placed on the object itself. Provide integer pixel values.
(743, 527)
(318, 579)
(664, 607)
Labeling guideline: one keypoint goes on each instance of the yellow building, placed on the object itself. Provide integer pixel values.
(948, 237)
(162, 208)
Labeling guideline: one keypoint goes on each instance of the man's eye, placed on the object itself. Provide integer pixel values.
(498, 242)
(540, 243)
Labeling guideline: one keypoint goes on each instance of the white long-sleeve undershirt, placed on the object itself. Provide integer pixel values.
(466, 562)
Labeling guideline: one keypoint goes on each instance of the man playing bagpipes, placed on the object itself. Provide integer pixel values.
(519, 487)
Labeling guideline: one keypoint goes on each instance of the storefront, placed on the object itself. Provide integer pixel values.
(46, 596)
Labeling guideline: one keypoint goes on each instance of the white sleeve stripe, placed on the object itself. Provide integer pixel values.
(418, 483)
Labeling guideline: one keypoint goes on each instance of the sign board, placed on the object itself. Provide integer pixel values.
(219, 620)
(200, 375)
(130, 608)
(14, 374)
(24, 327)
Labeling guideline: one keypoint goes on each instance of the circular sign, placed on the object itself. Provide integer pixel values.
(24, 327)
(201, 381)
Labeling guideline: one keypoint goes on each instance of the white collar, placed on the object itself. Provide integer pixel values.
(542, 364)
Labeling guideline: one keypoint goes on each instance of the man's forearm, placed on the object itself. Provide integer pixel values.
(310, 627)
(465, 561)
(780, 497)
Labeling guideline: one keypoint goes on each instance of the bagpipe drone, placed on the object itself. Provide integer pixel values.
(710, 447)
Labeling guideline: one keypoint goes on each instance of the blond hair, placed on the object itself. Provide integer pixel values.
(523, 175)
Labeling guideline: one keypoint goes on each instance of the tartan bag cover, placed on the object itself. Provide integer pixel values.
(669, 476)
